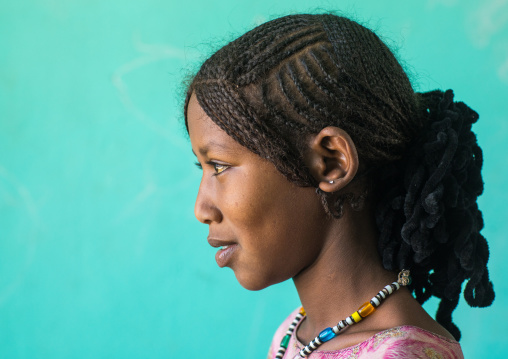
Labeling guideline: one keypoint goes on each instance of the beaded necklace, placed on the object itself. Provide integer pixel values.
(331, 332)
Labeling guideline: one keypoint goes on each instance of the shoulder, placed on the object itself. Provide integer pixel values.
(410, 342)
(404, 342)
(281, 332)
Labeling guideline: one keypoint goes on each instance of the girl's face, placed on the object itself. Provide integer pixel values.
(272, 228)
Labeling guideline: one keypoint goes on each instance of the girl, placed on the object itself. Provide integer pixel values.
(321, 164)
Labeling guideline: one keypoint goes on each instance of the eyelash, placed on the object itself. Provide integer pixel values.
(215, 167)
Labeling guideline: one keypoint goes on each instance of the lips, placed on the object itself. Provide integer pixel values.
(216, 243)
(225, 252)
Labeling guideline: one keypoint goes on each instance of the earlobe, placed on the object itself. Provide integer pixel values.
(333, 159)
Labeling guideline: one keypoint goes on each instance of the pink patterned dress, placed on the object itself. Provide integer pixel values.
(401, 342)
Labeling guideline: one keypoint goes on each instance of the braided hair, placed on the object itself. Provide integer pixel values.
(291, 77)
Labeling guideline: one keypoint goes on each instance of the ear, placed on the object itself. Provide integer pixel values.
(332, 159)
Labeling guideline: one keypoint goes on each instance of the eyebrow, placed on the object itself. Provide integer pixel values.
(205, 149)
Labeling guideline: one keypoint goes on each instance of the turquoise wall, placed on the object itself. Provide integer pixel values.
(100, 254)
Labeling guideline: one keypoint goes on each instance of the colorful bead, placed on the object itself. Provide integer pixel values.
(356, 317)
(326, 335)
(285, 341)
(366, 309)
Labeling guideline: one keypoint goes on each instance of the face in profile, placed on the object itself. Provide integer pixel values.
(265, 228)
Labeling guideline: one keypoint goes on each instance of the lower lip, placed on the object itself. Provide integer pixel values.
(223, 256)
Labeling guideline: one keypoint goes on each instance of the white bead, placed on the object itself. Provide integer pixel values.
(389, 289)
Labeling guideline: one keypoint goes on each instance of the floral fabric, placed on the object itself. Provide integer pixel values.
(401, 342)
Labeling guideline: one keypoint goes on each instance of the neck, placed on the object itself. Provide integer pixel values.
(347, 273)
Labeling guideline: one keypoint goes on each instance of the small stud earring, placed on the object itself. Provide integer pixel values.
(330, 182)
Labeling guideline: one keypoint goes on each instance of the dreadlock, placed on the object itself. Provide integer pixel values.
(291, 77)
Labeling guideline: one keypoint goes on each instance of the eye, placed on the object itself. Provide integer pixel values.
(219, 168)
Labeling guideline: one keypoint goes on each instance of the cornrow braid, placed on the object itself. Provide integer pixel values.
(289, 78)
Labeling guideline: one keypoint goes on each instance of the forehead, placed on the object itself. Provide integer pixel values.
(194, 110)
(198, 122)
(204, 133)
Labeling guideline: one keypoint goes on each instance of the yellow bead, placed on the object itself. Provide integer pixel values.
(356, 317)
(366, 309)
(302, 311)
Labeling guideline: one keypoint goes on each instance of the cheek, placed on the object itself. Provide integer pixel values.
(247, 207)
(262, 199)
(272, 212)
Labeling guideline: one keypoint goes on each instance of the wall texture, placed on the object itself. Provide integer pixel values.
(100, 254)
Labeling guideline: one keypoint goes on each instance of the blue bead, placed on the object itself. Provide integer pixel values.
(326, 335)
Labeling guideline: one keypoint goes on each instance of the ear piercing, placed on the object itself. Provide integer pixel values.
(330, 182)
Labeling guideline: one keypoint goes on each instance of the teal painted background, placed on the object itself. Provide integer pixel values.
(100, 254)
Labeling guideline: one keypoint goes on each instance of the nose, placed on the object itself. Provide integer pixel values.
(205, 208)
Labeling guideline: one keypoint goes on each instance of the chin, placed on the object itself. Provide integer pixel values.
(254, 283)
